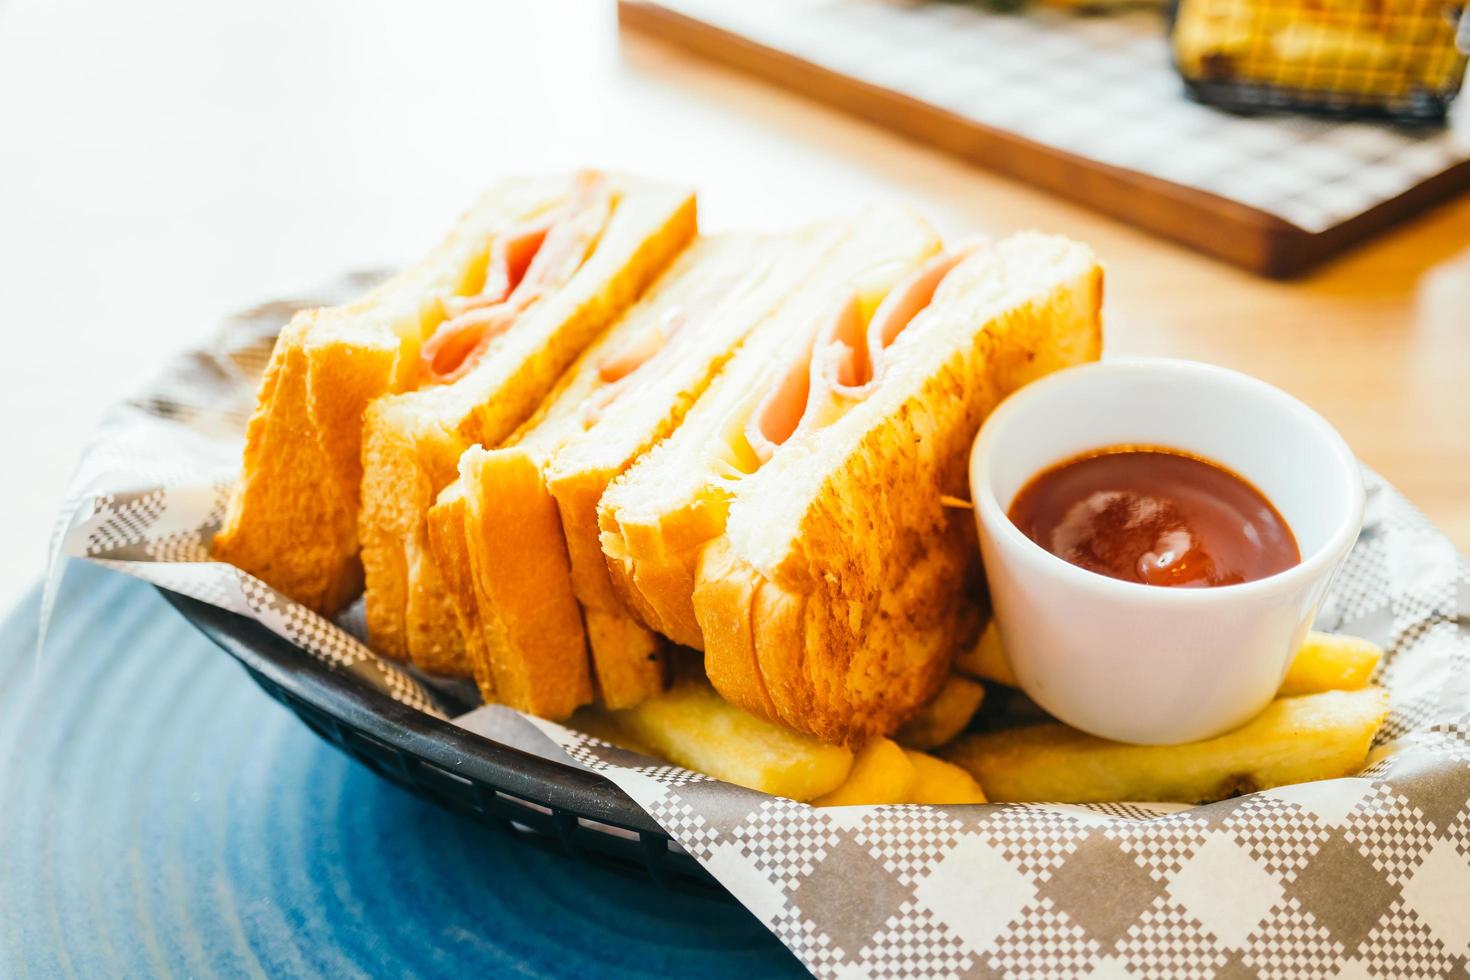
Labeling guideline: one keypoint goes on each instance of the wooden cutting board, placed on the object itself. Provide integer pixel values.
(1271, 212)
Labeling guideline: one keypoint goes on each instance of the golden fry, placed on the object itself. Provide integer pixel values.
(693, 727)
(1295, 740)
(881, 773)
(600, 724)
(945, 717)
(1330, 662)
(1325, 662)
(941, 782)
(987, 659)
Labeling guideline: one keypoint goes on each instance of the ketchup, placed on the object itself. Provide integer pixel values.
(1156, 517)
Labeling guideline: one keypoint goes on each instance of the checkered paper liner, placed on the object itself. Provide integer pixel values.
(1367, 876)
(1101, 88)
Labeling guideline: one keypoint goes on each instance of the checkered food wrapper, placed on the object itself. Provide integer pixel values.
(1367, 876)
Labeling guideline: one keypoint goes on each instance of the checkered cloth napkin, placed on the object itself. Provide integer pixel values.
(1360, 877)
(1101, 88)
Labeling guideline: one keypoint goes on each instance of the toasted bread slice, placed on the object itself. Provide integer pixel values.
(631, 389)
(656, 519)
(861, 575)
(829, 585)
(503, 488)
(412, 442)
(292, 519)
(447, 521)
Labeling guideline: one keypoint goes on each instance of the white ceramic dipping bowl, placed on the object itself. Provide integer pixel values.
(1141, 663)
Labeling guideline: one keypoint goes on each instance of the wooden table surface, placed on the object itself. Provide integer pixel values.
(166, 162)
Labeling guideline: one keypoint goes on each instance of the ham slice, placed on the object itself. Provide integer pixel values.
(524, 265)
(453, 348)
(615, 370)
(844, 361)
(618, 366)
(781, 409)
(510, 258)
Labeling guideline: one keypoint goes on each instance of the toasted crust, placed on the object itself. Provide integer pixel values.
(522, 597)
(650, 568)
(287, 493)
(434, 637)
(630, 661)
(412, 441)
(449, 538)
(652, 560)
(292, 519)
(793, 653)
(401, 476)
(628, 657)
(516, 607)
(859, 590)
(726, 589)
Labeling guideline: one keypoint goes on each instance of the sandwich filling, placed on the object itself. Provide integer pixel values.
(844, 361)
(615, 370)
(524, 265)
(619, 370)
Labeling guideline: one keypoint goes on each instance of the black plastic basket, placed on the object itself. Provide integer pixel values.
(1400, 60)
(553, 805)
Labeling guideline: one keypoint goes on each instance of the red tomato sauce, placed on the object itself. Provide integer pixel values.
(1155, 517)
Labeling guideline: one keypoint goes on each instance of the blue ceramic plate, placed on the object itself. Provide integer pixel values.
(159, 815)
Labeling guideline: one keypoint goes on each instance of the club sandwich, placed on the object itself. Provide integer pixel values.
(551, 287)
(806, 525)
(293, 516)
(516, 536)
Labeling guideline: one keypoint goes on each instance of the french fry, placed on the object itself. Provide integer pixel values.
(600, 724)
(1330, 662)
(1325, 662)
(943, 718)
(692, 726)
(941, 782)
(881, 773)
(987, 659)
(1295, 740)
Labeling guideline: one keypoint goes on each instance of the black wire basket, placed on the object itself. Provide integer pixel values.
(552, 805)
(1401, 60)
